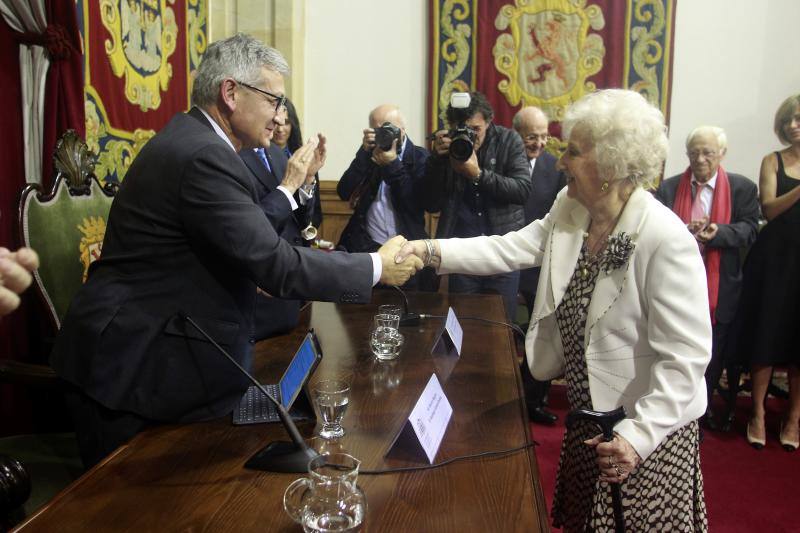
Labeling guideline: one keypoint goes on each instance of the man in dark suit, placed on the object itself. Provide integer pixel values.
(287, 200)
(721, 211)
(380, 185)
(186, 238)
(532, 125)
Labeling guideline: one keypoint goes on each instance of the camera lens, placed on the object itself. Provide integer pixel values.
(461, 148)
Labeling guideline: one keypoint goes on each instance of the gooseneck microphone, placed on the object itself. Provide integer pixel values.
(408, 319)
(278, 456)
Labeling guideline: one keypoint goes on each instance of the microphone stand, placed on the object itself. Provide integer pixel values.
(408, 319)
(278, 456)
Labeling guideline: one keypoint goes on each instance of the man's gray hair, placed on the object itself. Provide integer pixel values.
(627, 133)
(719, 133)
(784, 116)
(240, 57)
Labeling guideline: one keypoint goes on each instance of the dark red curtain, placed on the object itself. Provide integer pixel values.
(63, 106)
(26, 334)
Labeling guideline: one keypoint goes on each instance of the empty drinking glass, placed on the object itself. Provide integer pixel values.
(332, 397)
(329, 498)
(390, 309)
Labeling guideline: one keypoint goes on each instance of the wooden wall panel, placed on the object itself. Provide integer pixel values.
(336, 213)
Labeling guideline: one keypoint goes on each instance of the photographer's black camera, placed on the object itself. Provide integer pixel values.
(462, 142)
(385, 135)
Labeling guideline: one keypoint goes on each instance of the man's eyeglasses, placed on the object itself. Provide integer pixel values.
(708, 154)
(533, 137)
(280, 101)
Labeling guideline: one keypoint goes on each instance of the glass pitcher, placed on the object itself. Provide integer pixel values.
(328, 499)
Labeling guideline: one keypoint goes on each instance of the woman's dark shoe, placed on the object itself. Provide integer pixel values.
(756, 440)
(788, 444)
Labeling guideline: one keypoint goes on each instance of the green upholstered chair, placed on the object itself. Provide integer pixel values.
(66, 226)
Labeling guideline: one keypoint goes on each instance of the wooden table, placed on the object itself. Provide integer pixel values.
(190, 477)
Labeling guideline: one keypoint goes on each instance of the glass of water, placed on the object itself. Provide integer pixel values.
(385, 339)
(332, 397)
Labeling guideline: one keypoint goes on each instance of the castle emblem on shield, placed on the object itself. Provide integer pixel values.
(143, 36)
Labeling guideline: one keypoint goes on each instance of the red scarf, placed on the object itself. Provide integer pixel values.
(720, 214)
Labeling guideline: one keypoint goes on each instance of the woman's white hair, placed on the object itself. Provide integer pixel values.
(784, 116)
(627, 133)
(240, 57)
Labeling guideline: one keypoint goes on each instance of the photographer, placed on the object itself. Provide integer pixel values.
(380, 185)
(480, 191)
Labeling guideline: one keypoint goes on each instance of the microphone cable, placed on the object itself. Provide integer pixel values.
(513, 327)
(492, 453)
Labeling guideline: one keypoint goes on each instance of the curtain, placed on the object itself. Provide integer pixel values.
(41, 70)
(27, 18)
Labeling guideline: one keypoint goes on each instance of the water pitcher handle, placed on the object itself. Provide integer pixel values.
(293, 498)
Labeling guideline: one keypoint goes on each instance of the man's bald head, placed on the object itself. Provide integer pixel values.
(531, 124)
(387, 113)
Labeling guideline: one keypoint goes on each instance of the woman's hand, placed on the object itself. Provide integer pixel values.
(616, 459)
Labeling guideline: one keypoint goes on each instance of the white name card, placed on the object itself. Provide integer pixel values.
(430, 417)
(453, 328)
(424, 428)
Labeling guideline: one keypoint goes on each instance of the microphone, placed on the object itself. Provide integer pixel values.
(408, 319)
(278, 456)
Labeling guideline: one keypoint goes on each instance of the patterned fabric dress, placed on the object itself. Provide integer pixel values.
(665, 493)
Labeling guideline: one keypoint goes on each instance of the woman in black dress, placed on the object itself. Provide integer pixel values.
(771, 298)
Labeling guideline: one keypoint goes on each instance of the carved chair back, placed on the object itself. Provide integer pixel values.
(66, 225)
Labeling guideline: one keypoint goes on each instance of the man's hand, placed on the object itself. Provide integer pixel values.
(15, 276)
(368, 143)
(441, 143)
(696, 226)
(395, 273)
(298, 165)
(383, 158)
(469, 168)
(318, 160)
(707, 234)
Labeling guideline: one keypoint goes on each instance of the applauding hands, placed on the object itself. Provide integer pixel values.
(15, 276)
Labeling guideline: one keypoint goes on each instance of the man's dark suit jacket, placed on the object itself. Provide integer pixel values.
(276, 315)
(364, 176)
(504, 184)
(546, 181)
(740, 233)
(185, 235)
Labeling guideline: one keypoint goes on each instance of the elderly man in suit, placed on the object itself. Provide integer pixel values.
(721, 210)
(532, 125)
(285, 193)
(186, 238)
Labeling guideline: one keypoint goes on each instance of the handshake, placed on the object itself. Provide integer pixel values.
(402, 259)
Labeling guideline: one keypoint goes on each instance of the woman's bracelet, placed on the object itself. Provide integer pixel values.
(429, 255)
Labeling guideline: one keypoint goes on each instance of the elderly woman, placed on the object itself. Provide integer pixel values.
(771, 294)
(616, 311)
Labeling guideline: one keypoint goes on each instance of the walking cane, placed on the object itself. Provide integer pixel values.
(606, 421)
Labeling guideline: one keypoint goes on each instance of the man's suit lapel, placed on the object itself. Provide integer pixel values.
(258, 169)
(609, 286)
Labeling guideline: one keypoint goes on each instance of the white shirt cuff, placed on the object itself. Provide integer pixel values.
(305, 195)
(377, 268)
(285, 191)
